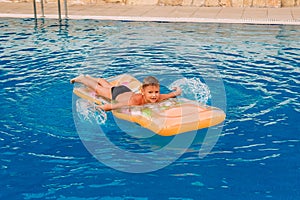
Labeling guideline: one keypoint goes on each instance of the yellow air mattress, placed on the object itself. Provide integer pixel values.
(167, 118)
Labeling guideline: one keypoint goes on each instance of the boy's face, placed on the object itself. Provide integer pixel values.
(151, 93)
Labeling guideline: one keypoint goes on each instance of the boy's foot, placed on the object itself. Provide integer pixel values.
(76, 79)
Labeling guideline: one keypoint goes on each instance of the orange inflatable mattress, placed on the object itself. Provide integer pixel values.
(167, 118)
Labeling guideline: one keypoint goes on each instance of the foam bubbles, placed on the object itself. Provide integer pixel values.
(87, 111)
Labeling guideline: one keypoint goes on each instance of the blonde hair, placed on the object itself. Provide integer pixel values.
(150, 80)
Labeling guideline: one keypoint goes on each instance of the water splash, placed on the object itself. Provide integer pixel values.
(192, 88)
(87, 111)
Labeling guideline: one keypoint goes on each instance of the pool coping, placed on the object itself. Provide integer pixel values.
(287, 16)
(161, 19)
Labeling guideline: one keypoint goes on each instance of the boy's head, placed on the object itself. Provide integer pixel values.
(150, 89)
(150, 80)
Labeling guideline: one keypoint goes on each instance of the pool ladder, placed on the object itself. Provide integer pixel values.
(43, 11)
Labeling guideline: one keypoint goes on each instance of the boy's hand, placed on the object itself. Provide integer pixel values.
(104, 107)
(178, 91)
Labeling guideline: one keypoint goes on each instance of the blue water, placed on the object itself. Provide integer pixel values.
(255, 157)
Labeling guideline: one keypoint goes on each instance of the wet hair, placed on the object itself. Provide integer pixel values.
(150, 80)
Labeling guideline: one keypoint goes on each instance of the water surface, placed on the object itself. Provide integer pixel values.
(256, 156)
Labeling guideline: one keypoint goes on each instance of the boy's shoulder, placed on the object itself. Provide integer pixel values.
(136, 99)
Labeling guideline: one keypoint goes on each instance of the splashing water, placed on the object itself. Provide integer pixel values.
(87, 111)
(192, 88)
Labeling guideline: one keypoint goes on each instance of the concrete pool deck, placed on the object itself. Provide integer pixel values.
(104, 11)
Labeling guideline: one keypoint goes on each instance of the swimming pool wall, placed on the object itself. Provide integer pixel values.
(200, 3)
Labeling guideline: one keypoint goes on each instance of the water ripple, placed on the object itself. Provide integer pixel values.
(52, 156)
(43, 157)
(249, 146)
(255, 159)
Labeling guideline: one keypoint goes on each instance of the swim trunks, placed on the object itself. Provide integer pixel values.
(117, 90)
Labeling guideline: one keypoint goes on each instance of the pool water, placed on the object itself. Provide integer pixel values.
(256, 155)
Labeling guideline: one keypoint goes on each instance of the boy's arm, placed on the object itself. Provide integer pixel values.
(134, 100)
(177, 92)
(110, 106)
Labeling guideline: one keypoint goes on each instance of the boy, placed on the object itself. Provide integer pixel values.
(150, 92)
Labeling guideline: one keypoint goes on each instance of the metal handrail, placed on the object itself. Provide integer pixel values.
(43, 10)
(66, 9)
(59, 10)
(34, 9)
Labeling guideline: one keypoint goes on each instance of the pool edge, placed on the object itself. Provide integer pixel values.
(163, 19)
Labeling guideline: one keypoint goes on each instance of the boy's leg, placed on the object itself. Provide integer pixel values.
(93, 84)
(100, 81)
